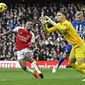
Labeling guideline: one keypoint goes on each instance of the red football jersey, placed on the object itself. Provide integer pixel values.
(23, 38)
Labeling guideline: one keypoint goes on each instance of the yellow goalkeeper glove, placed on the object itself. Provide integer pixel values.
(49, 20)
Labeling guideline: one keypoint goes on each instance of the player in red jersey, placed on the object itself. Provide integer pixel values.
(24, 40)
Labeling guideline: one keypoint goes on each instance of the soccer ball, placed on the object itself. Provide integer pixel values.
(3, 7)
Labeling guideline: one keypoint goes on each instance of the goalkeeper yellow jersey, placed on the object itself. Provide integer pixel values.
(68, 31)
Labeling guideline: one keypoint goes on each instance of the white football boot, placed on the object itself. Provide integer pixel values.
(54, 69)
(83, 77)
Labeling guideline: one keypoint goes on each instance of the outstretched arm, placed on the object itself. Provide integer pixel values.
(45, 26)
(15, 30)
(48, 30)
(56, 26)
(7, 33)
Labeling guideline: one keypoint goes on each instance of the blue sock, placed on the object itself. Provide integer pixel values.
(61, 59)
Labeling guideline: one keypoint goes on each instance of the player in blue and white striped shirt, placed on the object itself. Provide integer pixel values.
(79, 24)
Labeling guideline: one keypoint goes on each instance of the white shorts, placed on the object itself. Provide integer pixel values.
(21, 53)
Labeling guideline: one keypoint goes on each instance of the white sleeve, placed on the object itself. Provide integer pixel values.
(17, 28)
(33, 37)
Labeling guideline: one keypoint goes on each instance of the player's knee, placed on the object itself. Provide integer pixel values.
(71, 65)
(24, 68)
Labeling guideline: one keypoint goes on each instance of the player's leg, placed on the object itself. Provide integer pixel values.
(29, 56)
(75, 66)
(81, 60)
(22, 63)
(83, 77)
(66, 54)
(82, 66)
(80, 56)
(62, 58)
(76, 55)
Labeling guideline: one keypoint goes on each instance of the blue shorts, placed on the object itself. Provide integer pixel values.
(68, 48)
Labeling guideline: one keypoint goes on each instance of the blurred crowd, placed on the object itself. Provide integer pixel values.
(47, 47)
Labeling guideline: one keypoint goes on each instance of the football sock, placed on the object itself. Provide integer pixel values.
(36, 67)
(29, 70)
(61, 59)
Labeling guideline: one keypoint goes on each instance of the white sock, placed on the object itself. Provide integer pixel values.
(29, 70)
(36, 67)
(56, 65)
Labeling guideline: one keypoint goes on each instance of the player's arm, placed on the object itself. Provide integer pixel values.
(48, 30)
(15, 30)
(54, 28)
(84, 33)
(45, 26)
(33, 38)
(7, 33)
(32, 42)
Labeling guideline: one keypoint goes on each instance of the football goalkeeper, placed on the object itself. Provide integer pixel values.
(70, 34)
(79, 25)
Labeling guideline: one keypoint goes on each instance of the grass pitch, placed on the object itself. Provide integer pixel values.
(61, 77)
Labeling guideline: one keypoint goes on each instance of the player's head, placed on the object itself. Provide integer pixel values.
(28, 26)
(61, 16)
(79, 16)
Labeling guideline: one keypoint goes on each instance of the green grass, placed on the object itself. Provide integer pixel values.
(61, 77)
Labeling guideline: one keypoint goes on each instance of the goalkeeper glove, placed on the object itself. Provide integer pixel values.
(50, 20)
(43, 20)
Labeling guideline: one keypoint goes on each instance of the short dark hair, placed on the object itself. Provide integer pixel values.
(63, 12)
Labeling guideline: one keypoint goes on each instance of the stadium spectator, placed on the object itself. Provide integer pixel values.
(18, 15)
